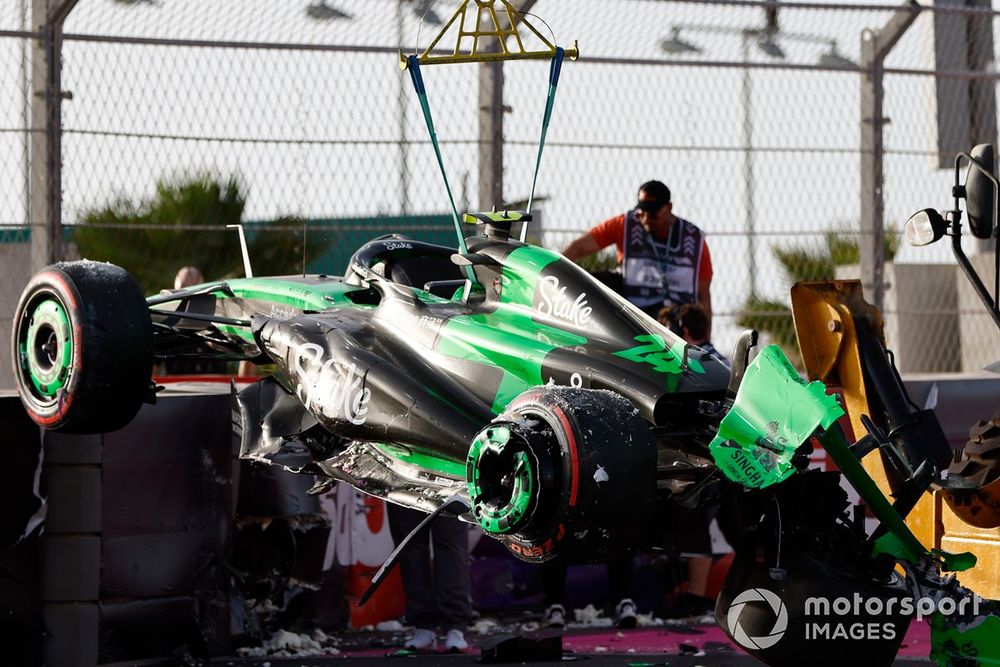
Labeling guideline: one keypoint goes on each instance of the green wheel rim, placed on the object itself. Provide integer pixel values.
(497, 510)
(46, 350)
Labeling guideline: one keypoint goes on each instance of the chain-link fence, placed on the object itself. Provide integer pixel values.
(771, 122)
(15, 79)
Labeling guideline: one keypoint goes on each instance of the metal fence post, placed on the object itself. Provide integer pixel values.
(404, 149)
(875, 46)
(38, 213)
(748, 173)
(46, 146)
(491, 112)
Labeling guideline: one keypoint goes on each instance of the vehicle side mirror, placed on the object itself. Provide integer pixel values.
(981, 192)
(925, 227)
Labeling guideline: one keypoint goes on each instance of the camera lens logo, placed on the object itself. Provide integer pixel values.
(780, 618)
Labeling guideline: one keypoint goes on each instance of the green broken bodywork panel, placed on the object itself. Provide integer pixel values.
(774, 413)
(959, 562)
(975, 644)
(501, 340)
(901, 543)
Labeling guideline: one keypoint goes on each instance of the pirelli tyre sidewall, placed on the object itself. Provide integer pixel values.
(595, 499)
(82, 347)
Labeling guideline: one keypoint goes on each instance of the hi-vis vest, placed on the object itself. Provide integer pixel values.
(661, 273)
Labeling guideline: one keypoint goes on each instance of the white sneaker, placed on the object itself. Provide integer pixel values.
(554, 616)
(455, 642)
(625, 614)
(421, 639)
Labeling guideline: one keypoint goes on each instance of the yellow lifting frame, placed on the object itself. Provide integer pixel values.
(488, 9)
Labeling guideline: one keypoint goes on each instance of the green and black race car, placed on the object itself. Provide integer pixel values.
(532, 390)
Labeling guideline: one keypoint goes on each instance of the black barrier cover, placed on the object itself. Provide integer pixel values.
(168, 585)
(166, 498)
(20, 609)
(269, 491)
(170, 471)
(21, 451)
(145, 628)
(167, 517)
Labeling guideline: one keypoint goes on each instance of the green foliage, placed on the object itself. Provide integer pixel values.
(800, 264)
(774, 317)
(893, 238)
(601, 261)
(185, 224)
(844, 249)
(804, 264)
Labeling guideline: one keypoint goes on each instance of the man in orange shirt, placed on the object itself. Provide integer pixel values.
(663, 259)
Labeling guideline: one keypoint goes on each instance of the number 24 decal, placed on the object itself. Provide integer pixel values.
(654, 351)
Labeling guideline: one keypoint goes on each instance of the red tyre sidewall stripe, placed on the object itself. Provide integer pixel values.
(65, 291)
(574, 461)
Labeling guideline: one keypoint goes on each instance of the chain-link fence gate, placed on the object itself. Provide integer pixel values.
(772, 123)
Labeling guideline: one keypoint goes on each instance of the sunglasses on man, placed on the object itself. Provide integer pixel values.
(649, 206)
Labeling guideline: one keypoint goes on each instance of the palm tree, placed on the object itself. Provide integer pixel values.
(183, 224)
(802, 263)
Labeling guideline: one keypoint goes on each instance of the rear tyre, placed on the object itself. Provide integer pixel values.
(82, 347)
(567, 472)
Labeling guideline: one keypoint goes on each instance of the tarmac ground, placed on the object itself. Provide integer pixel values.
(677, 644)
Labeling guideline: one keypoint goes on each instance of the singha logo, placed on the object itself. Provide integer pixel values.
(770, 447)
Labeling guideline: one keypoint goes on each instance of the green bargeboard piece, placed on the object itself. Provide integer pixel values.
(959, 562)
(977, 644)
(901, 544)
(774, 413)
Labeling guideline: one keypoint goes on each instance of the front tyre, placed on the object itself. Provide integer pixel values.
(564, 472)
(82, 347)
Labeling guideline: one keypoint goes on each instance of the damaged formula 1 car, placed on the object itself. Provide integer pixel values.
(535, 402)
(547, 400)
(500, 382)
